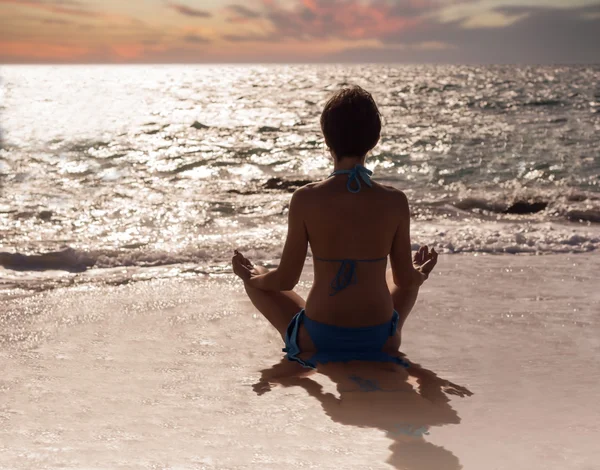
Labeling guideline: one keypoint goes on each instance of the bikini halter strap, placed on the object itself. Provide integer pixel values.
(354, 176)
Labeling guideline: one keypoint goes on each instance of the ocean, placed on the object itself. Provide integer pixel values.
(125, 171)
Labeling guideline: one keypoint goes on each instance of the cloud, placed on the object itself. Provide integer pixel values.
(189, 11)
(417, 31)
(341, 19)
(57, 21)
(64, 2)
(66, 7)
(491, 19)
(412, 8)
(195, 39)
(241, 12)
(128, 52)
(71, 8)
(13, 51)
(248, 38)
(534, 35)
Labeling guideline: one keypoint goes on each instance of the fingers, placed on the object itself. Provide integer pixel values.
(420, 255)
(425, 254)
(433, 257)
(427, 267)
(237, 259)
(241, 271)
(241, 265)
(242, 259)
(425, 260)
(236, 263)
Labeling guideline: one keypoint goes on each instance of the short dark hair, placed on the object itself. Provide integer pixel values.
(351, 122)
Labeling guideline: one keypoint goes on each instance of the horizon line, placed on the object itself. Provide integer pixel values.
(68, 64)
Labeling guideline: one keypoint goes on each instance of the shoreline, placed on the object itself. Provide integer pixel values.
(31, 282)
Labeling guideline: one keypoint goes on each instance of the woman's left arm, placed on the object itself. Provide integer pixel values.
(287, 274)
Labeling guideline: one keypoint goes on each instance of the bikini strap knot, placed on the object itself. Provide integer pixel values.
(354, 176)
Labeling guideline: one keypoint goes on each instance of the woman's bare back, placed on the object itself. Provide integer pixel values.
(357, 226)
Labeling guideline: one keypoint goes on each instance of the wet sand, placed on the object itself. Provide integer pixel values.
(167, 374)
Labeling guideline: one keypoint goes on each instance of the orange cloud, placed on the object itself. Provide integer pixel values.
(54, 7)
(189, 11)
(12, 49)
(310, 4)
(129, 51)
(348, 19)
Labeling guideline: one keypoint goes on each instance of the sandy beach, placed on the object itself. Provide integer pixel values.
(167, 374)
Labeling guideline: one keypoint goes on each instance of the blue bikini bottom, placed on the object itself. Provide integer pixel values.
(339, 344)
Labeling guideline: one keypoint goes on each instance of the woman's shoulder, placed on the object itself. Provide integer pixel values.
(307, 190)
(394, 200)
(391, 191)
(303, 194)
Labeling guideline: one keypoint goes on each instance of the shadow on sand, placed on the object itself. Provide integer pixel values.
(403, 403)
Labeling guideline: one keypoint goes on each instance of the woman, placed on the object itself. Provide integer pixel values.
(355, 310)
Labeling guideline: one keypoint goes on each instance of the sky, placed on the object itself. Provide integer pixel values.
(292, 31)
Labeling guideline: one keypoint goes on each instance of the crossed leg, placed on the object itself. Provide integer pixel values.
(277, 307)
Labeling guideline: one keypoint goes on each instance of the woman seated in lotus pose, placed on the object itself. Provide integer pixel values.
(355, 310)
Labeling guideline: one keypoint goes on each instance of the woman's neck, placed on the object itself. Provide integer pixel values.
(348, 163)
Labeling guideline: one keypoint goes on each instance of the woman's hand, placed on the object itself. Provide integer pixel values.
(242, 267)
(424, 261)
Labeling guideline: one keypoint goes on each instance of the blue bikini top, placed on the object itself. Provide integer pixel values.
(346, 275)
